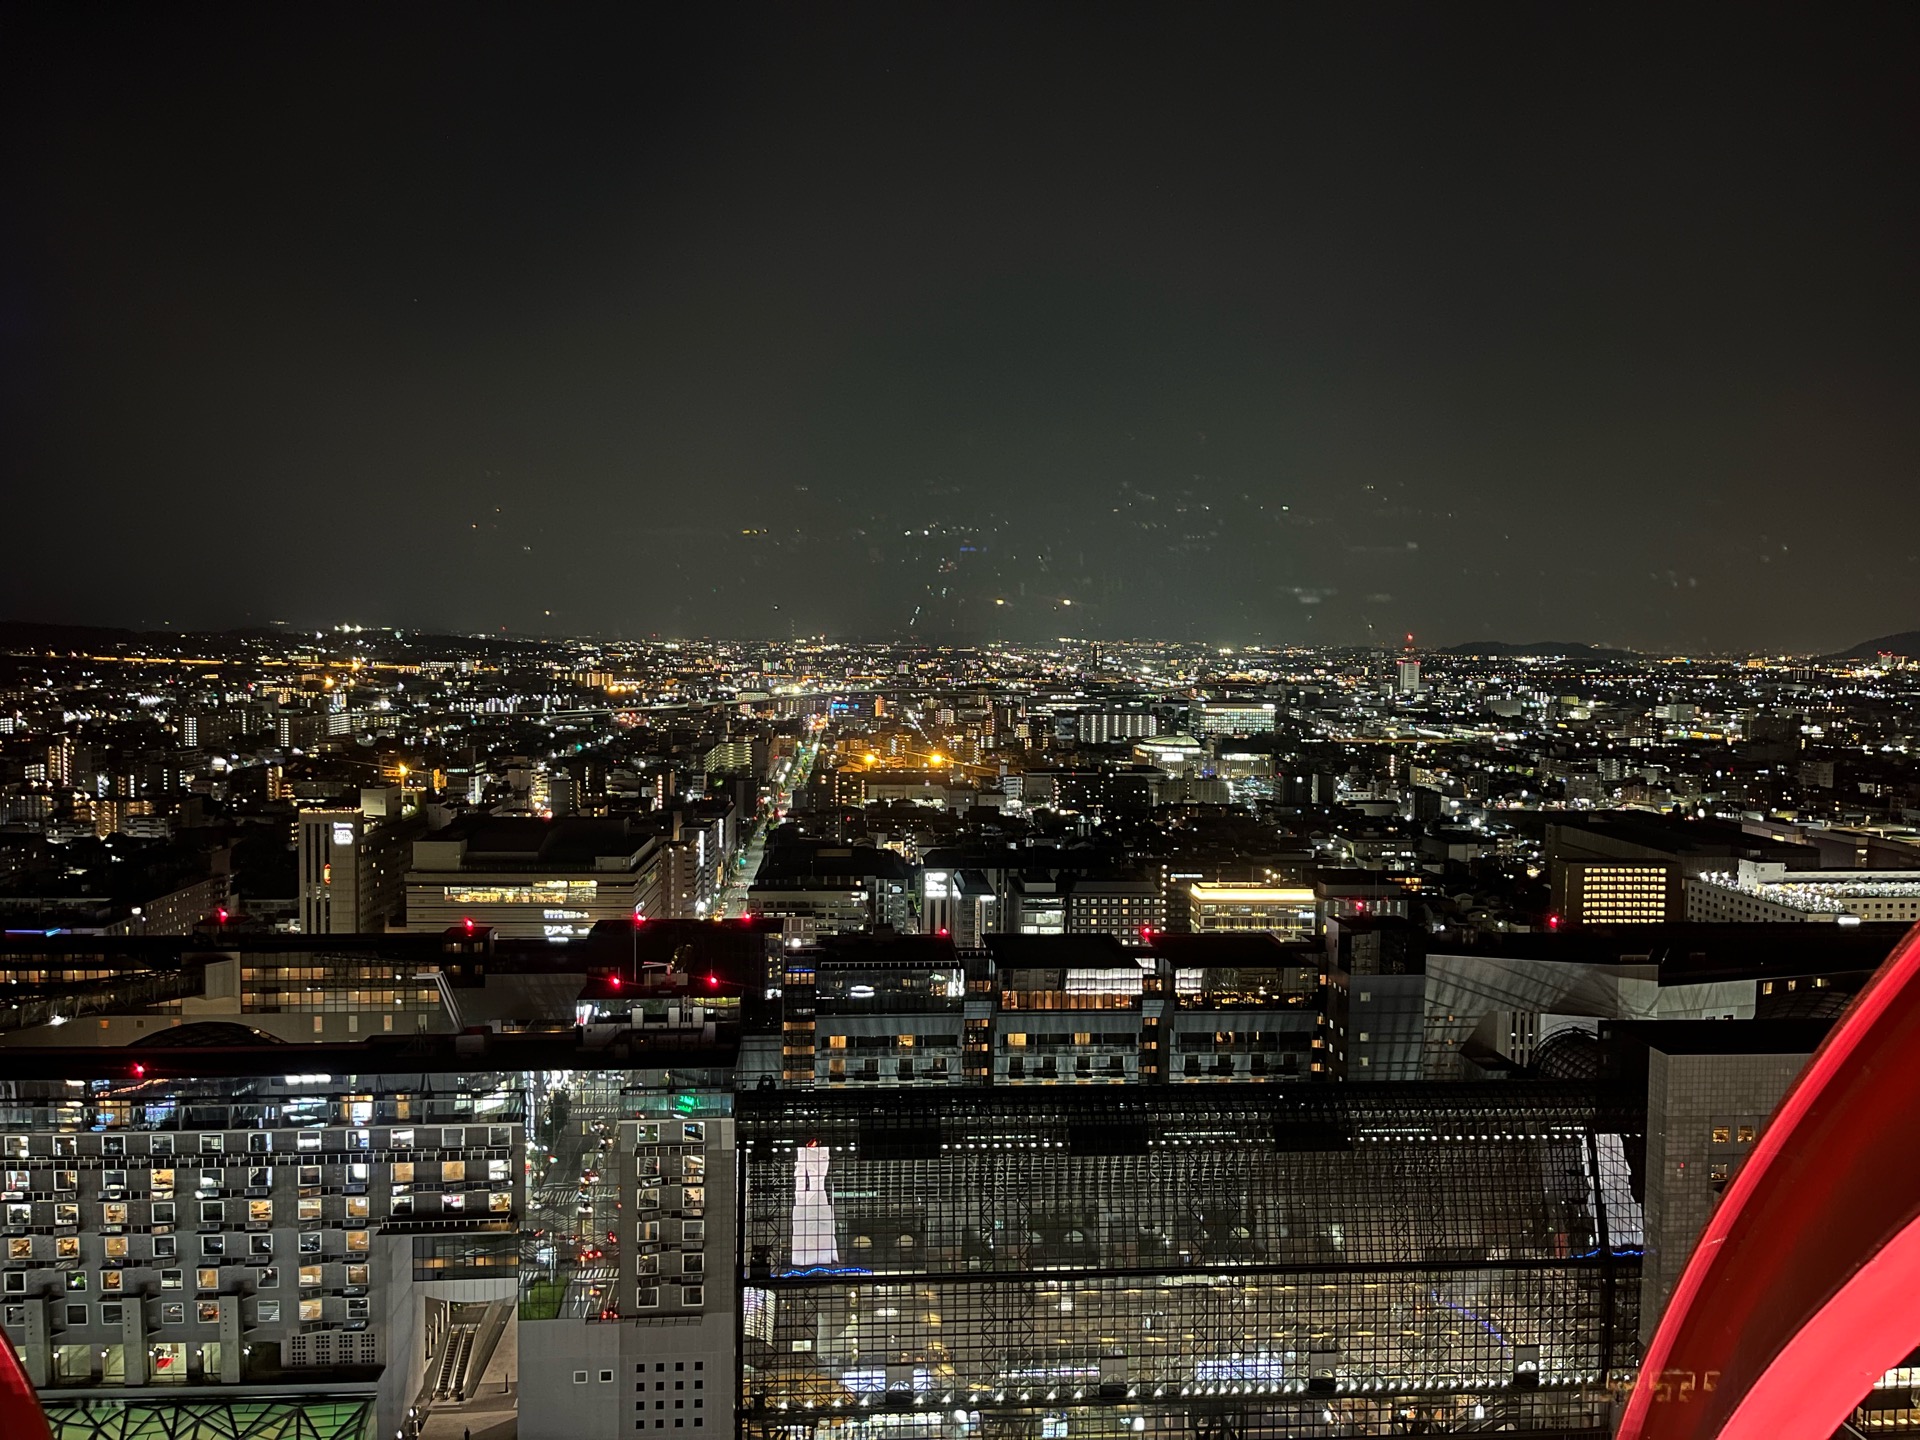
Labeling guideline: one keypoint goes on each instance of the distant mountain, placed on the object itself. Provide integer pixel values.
(1907, 642)
(1495, 649)
(28, 637)
(17, 636)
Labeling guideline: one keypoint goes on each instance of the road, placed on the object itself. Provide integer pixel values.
(733, 903)
(555, 1189)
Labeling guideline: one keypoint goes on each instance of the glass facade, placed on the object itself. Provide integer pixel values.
(338, 985)
(1048, 1262)
(533, 892)
(311, 1418)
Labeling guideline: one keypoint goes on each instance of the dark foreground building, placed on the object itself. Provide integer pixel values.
(634, 1188)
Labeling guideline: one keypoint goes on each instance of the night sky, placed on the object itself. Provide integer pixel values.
(1274, 323)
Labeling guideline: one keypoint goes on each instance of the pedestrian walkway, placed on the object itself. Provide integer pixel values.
(492, 1412)
(488, 1416)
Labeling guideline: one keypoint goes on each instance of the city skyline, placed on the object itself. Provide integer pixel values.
(959, 722)
(26, 639)
(1290, 327)
(412, 1034)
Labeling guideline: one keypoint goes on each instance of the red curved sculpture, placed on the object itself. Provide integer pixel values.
(1805, 1286)
(20, 1415)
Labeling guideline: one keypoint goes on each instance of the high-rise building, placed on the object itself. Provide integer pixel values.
(300, 729)
(1407, 671)
(1105, 727)
(1711, 1089)
(62, 762)
(957, 902)
(740, 756)
(1130, 910)
(256, 1249)
(352, 864)
(1614, 892)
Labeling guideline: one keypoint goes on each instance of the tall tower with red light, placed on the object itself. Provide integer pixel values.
(1409, 669)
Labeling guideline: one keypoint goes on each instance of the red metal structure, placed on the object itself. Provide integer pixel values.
(1805, 1286)
(20, 1415)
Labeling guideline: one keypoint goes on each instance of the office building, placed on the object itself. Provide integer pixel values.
(1053, 1009)
(1615, 892)
(1130, 910)
(1108, 727)
(1632, 868)
(531, 878)
(957, 902)
(1284, 910)
(1231, 717)
(819, 890)
(1349, 893)
(353, 864)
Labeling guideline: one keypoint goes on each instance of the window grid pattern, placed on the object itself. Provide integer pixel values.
(267, 1217)
(1020, 1255)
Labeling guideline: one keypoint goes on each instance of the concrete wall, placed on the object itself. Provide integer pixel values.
(554, 1403)
(1385, 1027)
(1690, 1099)
(582, 1380)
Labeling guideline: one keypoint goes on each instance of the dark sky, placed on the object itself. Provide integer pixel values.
(1266, 323)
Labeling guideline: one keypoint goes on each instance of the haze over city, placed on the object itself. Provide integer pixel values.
(1266, 325)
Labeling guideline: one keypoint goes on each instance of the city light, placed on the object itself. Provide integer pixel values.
(1478, 446)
